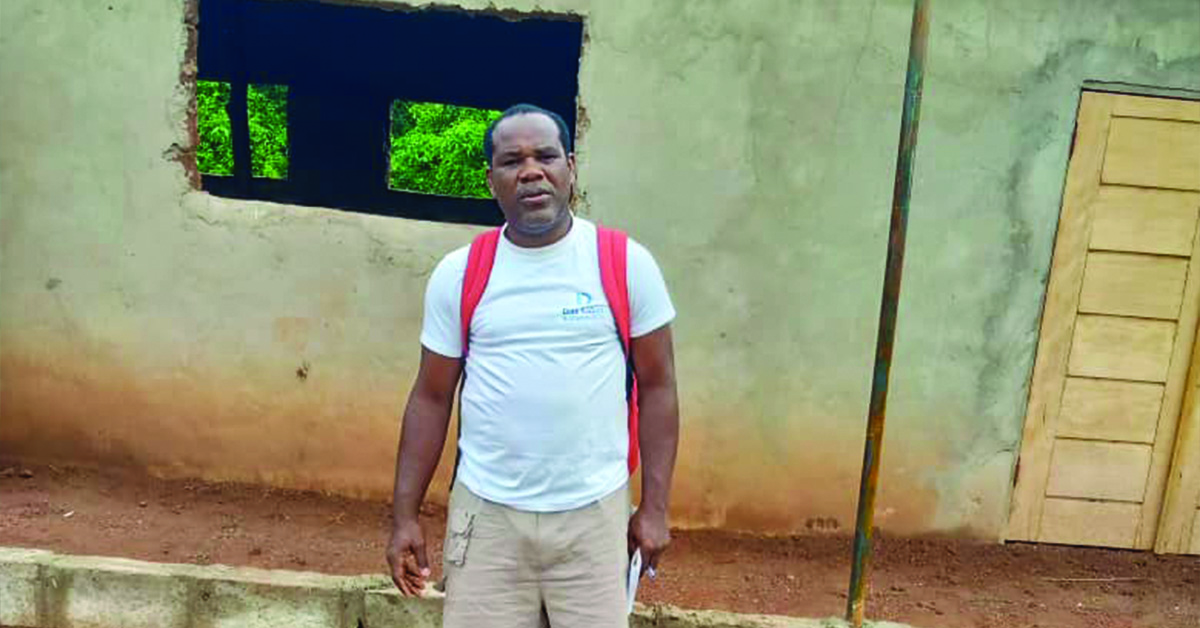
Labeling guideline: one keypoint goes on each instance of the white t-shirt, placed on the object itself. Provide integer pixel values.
(544, 416)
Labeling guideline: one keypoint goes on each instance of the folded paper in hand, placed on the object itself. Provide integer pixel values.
(635, 574)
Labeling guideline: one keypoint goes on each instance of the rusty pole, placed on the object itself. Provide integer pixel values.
(909, 121)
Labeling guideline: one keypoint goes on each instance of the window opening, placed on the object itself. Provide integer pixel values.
(335, 105)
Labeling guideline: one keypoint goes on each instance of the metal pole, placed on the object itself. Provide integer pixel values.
(864, 522)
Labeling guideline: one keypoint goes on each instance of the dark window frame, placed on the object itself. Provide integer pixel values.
(343, 68)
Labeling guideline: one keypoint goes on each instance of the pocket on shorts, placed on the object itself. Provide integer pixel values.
(458, 537)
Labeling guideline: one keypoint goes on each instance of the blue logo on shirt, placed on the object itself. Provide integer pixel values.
(584, 310)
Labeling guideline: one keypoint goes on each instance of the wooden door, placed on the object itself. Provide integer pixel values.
(1117, 334)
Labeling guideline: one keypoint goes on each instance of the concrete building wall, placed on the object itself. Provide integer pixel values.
(749, 145)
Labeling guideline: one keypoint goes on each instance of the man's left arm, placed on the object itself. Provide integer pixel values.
(658, 433)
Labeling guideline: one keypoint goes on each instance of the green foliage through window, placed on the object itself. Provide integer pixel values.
(214, 153)
(435, 148)
(267, 111)
(267, 106)
(438, 149)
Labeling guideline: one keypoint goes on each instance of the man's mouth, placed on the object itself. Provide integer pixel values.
(534, 196)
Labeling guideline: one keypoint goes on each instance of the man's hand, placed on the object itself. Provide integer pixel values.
(407, 558)
(421, 440)
(648, 532)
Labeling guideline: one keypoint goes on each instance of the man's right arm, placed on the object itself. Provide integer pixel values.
(426, 419)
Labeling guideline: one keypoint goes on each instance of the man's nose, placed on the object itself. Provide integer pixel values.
(530, 171)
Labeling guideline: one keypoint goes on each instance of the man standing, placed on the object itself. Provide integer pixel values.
(538, 528)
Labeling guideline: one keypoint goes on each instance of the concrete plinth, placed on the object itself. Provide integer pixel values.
(41, 589)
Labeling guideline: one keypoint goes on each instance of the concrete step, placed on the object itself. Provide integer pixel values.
(42, 589)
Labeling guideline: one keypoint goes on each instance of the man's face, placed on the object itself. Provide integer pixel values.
(531, 175)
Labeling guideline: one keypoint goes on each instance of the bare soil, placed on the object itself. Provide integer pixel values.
(932, 583)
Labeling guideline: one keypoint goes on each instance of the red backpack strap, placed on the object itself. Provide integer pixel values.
(613, 246)
(475, 279)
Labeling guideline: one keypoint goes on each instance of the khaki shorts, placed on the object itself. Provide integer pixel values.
(508, 568)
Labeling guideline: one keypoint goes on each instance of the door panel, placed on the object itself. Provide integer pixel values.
(1153, 153)
(1142, 220)
(1110, 410)
(1080, 522)
(1121, 348)
(1091, 469)
(1124, 284)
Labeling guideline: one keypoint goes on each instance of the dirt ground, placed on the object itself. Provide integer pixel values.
(932, 583)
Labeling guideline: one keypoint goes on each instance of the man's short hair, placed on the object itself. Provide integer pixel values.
(564, 135)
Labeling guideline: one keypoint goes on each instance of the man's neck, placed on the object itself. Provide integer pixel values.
(545, 239)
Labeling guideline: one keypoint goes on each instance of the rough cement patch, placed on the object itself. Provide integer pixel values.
(385, 607)
(51, 590)
(18, 585)
(91, 592)
(41, 589)
(241, 604)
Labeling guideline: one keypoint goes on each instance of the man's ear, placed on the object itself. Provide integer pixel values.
(491, 186)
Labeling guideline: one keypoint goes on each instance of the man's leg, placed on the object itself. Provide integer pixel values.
(585, 557)
(491, 580)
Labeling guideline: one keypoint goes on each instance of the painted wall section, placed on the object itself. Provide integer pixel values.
(749, 145)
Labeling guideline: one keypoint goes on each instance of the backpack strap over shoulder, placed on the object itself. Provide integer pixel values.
(613, 246)
(479, 269)
(475, 279)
